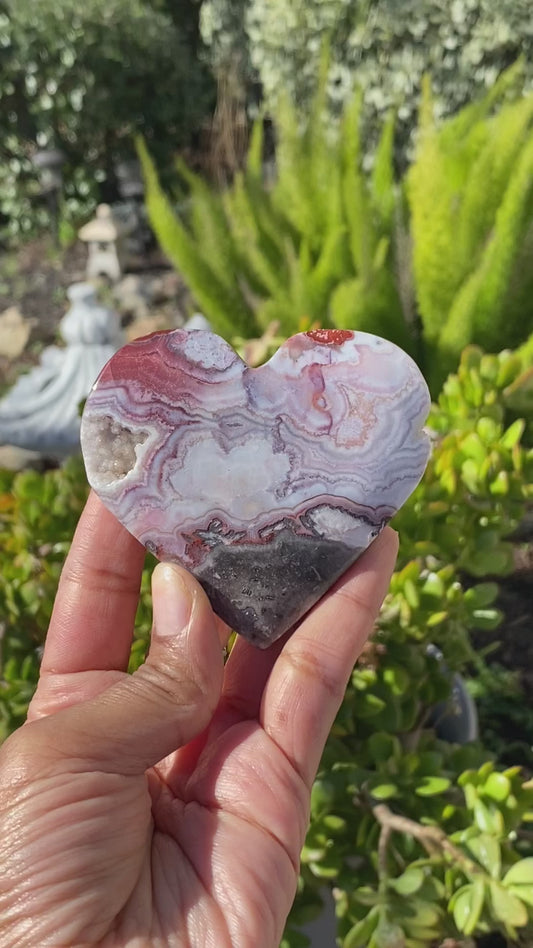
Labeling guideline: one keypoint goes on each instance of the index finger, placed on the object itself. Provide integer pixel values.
(94, 612)
(307, 683)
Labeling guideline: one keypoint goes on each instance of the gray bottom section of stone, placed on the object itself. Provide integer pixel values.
(262, 590)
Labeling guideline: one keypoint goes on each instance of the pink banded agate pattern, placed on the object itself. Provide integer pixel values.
(266, 483)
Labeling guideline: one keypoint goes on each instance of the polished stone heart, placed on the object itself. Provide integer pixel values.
(265, 483)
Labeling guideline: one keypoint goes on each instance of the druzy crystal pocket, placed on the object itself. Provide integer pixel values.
(265, 483)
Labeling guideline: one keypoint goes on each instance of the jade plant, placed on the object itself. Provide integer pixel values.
(38, 516)
(418, 839)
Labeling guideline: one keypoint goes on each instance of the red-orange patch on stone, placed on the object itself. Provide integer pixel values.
(331, 337)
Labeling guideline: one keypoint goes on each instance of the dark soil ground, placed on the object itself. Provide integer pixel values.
(36, 279)
(39, 284)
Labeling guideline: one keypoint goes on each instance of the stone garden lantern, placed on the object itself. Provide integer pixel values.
(105, 237)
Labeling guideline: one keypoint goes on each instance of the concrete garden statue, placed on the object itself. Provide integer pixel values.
(41, 412)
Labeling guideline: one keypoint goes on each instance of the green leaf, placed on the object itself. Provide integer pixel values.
(476, 906)
(432, 786)
(437, 618)
(513, 434)
(389, 935)
(484, 771)
(470, 474)
(360, 934)
(520, 874)
(397, 678)
(506, 907)
(294, 939)
(473, 447)
(334, 824)
(366, 895)
(411, 593)
(500, 485)
(434, 586)
(370, 705)
(488, 820)
(322, 795)
(523, 892)
(384, 791)
(497, 786)
(324, 871)
(486, 619)
(383, 747)
(409, 882)
(427, 914)
(461, 905)
(481, 595)
(486, 850)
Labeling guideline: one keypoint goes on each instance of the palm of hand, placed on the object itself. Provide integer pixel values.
(109, 835)
(193, 853)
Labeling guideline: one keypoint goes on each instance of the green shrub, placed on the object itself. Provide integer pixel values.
(383, 46)
(434, 264)
(472, 496)
(38, 515)
(419, 839)
(84, 78)
(223, 30)
(422, 840)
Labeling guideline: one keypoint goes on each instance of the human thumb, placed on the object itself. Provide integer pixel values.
(166, 702)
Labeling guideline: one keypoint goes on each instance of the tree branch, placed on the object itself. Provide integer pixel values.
(432, 838)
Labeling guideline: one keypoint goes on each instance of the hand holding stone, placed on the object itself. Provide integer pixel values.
(168, 807)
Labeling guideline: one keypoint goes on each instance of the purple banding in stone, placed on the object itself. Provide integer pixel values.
(266, 483)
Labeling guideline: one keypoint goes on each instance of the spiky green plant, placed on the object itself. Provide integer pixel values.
(316, 246)
(470, 191)
(434, 265)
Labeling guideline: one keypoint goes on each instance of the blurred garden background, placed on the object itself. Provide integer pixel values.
(275, 166)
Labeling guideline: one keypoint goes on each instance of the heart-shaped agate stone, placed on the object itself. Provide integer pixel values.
(265, 483)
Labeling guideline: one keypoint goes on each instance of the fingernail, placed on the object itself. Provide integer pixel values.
(172, 600)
